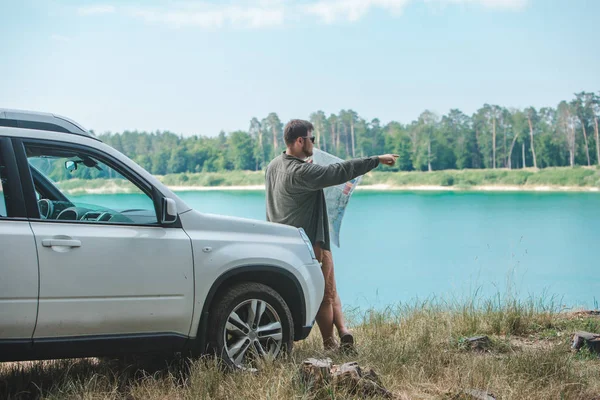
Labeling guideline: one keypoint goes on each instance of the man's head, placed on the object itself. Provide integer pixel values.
(298, 137)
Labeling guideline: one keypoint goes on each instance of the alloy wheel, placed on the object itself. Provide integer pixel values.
(253, 329)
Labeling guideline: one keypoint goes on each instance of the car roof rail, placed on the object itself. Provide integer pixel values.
(41, 121)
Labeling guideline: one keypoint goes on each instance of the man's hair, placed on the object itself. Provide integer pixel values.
(296, 128)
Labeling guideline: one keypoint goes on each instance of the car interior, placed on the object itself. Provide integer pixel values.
(54, 204)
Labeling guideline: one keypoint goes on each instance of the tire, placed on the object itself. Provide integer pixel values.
(238, 338)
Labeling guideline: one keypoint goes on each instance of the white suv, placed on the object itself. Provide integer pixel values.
(98, 275)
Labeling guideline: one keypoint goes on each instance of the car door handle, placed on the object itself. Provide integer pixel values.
(61, 242)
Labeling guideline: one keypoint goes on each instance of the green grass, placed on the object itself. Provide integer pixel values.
(229, 178)
(415, 348)
(82, 186)
(573, 177)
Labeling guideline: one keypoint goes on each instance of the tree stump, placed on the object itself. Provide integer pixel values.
(317, 374)
(592, 340)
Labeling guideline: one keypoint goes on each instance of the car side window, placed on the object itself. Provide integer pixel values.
(74, 185)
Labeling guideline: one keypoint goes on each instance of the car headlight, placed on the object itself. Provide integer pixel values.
(308, 243)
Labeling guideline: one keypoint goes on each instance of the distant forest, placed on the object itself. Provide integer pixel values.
(493, 137)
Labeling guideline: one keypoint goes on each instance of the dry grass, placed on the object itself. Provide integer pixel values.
(418, 351)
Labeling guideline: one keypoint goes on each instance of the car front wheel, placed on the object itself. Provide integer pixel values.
(250, 321)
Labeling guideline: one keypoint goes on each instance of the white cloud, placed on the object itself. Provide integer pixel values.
(96, 9)
(511, 5)
(351, 10)
(60, 38)
(269, 13)
(212, 16)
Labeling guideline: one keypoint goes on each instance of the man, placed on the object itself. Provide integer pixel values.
(294, 191)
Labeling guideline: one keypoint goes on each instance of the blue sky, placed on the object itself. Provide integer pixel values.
(198, 67)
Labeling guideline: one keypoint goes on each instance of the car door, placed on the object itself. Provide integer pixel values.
(18, 259)
(107, 266)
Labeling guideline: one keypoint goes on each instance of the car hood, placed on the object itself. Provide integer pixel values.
(195, 220)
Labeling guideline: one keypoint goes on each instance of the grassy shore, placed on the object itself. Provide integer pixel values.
(465, 179)
(548, 179)
(419, 352)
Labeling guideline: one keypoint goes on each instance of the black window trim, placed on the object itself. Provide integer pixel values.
(29, 191)
(15, 205)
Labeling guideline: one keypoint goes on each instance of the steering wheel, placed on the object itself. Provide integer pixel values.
(46, 208)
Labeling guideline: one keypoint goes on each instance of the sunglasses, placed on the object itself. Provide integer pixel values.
(312, 138)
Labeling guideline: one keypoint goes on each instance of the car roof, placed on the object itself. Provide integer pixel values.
(41, 121)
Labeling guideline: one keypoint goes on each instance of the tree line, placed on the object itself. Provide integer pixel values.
(493, 137)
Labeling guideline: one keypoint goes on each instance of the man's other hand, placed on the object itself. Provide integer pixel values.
(388, 159)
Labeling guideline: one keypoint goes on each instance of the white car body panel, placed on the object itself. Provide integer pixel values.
(18, 280)
(224, 243)
(123, 279)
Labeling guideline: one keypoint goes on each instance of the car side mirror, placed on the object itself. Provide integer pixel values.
(169, 211)
(70, 165)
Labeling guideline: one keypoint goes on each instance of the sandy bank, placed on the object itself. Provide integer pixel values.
(433, 188)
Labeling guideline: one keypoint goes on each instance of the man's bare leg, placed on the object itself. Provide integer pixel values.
(325, 322)
(338, 315)
(346, 338)
(325, 315)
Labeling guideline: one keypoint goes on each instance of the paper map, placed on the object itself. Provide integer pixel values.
(336, 197)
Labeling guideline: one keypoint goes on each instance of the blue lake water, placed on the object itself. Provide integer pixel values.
(397, 247)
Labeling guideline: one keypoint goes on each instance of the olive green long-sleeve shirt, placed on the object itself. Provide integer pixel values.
(294, 191)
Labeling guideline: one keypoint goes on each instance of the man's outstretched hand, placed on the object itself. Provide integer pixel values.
(388, 159)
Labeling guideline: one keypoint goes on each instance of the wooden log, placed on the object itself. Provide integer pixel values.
(474, 394)
(352, 378)
(591, 339)
(479, 343)
(348, 377)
